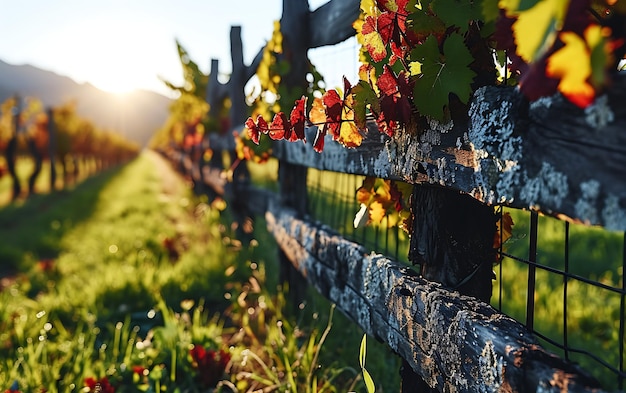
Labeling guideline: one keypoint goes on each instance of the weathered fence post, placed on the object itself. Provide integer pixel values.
(38, 162)
(301, 30)
(217, 92)
(452, 241)
(292, 182)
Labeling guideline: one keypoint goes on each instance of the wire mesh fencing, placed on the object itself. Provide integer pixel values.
(332, 201)
(566, 283)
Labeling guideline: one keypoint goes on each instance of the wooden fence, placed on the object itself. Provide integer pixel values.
(547, 156)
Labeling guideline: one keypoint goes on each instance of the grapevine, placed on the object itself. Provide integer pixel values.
(422, 60)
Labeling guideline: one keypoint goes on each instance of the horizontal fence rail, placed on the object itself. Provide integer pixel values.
(455, 343)
(548, 156)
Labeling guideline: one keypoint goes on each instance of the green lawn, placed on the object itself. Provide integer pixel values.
(128, 279)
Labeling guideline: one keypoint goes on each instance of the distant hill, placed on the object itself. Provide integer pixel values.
(136, 116)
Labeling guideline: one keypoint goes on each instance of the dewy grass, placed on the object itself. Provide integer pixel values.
(148, 290)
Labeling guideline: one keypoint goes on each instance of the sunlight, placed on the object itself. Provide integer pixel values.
(110, 53)
(111, 63)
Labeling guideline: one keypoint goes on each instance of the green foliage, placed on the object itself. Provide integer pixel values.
(275, 95)
(369, 382)
(442, 74)
(189, 111)
(195, 81)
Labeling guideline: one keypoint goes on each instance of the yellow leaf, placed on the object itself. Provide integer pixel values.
(510, 6)
(383, 192)
(377, 212)
(535, 29)
(571, 64)
(415, 67)
(369, 7)
(349, 133)
(392, 6)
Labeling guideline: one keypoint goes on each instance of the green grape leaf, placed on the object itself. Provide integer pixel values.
(490, 10)
(424, 24)
(455, 13)
(442, 74)
(599, 57)
(364, 95)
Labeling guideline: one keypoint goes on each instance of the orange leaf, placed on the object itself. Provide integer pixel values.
(363, 195)
(572, 65)
(377, 212)
(504, 230)
(317, 114)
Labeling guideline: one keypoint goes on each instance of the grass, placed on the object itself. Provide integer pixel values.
(128, 280)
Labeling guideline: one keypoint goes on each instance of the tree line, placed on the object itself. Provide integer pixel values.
(55, 135)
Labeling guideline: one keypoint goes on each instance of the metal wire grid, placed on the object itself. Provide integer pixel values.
(607, 360)
(332, 201)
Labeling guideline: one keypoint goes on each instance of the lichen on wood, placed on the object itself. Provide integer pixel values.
(454, 342)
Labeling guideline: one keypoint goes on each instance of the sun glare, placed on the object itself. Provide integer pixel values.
(108, 53)
(114, 83)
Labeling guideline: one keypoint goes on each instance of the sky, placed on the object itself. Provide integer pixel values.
(120, 45)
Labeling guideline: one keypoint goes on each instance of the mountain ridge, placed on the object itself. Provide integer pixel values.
(136, 115)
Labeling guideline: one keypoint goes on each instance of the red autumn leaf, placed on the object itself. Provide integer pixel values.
(279, 126)
(298, 120)
(254, 129)
(333, 105)
(395, 103)
(387, 82)
(99, 385)
(211, 364)
(392, 5)
(372, 40)
(318, 144)
(386, 26)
